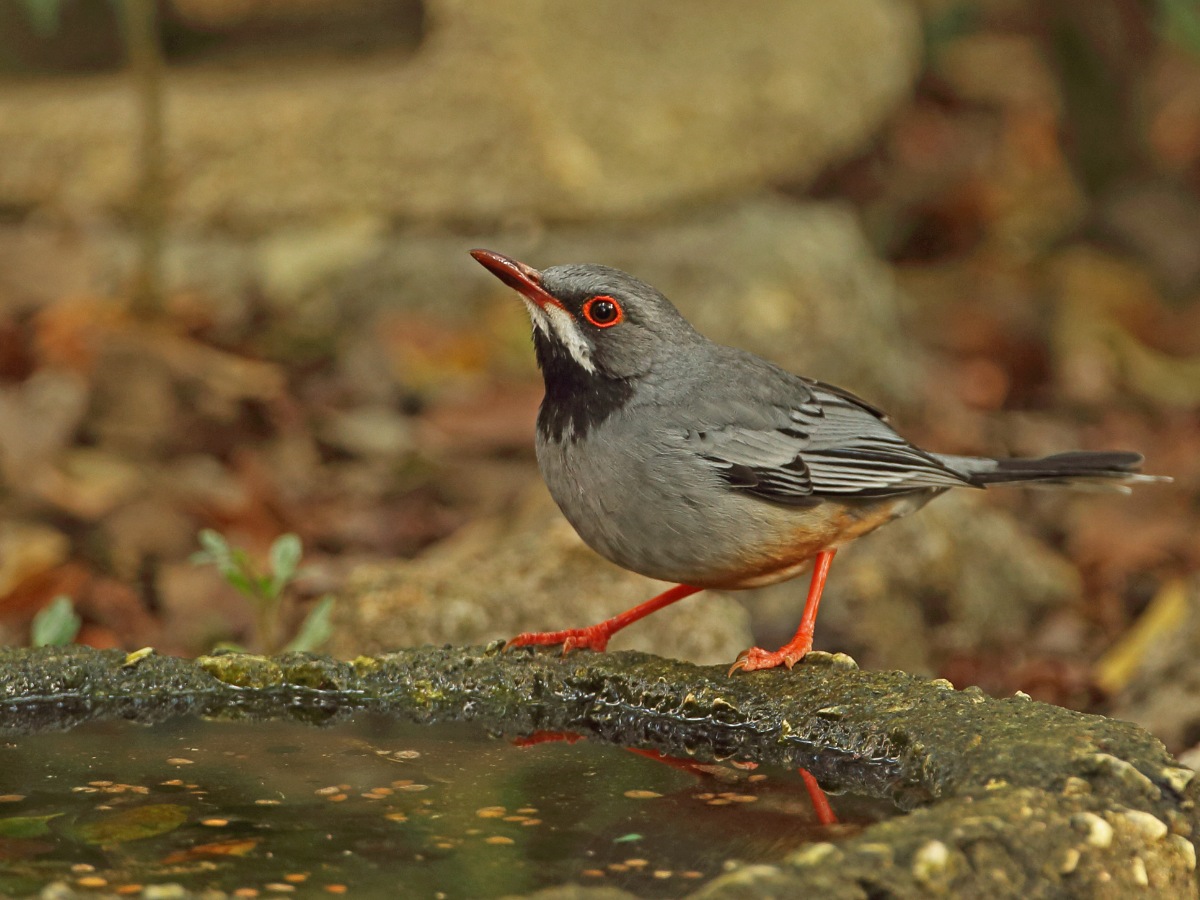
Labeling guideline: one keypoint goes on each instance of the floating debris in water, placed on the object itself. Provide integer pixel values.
(470, 804)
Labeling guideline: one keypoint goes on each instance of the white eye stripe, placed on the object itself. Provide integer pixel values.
(570, 336)
(536, 316)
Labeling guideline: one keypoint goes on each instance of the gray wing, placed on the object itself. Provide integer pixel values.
(813, 442)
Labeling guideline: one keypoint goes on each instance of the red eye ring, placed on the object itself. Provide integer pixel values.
(603, 311)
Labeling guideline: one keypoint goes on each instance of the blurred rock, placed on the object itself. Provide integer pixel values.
(524, 572)
(41, 263)
(375, 432)
(526, 108)
(293, 260)
(958, 577)
(797, 283)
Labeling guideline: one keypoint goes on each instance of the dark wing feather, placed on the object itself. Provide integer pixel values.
(815, 441)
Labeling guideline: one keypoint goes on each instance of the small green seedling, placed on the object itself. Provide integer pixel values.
(56, 624)
(266, 591)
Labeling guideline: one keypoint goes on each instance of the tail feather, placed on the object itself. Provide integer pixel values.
(1111, 470)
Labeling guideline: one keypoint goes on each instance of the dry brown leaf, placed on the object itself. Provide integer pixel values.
(34, 592)
(71, 332)
(28, 550)
(225, 378)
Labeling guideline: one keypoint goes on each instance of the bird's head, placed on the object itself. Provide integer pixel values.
(592, 321)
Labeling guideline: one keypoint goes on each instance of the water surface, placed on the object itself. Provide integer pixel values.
(365, 807)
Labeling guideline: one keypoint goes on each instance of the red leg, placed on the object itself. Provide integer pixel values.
(820, 802)
(700, 770)
(595, 637)
(546, 737)
(795, 649)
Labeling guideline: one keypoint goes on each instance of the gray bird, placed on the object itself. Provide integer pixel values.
(704, 465)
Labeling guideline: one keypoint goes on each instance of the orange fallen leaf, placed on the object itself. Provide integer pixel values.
(70, 332)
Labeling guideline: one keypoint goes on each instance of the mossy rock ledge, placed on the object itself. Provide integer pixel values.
(1006, 798)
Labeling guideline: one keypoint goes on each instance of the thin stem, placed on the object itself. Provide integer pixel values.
(146, 67)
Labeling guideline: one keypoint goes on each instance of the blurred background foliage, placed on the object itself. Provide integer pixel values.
(234, 295)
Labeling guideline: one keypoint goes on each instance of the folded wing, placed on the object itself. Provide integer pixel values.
(821, 442)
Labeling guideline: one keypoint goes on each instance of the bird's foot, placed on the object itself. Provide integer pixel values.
(593, 637)
(757, 658)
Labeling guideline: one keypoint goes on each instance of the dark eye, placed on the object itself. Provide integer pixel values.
(603, 311)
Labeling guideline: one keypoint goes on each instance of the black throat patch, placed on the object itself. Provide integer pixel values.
(576, 400)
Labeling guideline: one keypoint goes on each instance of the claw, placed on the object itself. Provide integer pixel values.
(738, 664)
(757, 658)
(590, 638)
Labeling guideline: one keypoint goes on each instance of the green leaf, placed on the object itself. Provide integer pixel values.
(56, 624)
(26, 826)
(285, 558)
(316, 629)
(240, 562)
(216, 551)
(241, 582)
(43, 15)
(264, 587)
(214, 544)
(133, 824)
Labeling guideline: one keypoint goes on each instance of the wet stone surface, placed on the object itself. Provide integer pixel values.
(1023, 792)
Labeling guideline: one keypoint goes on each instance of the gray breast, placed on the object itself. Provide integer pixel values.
(644, 502)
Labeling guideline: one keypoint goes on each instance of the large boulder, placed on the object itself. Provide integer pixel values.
(523, 108)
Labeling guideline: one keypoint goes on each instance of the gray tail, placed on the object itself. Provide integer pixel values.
(1102, 470)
